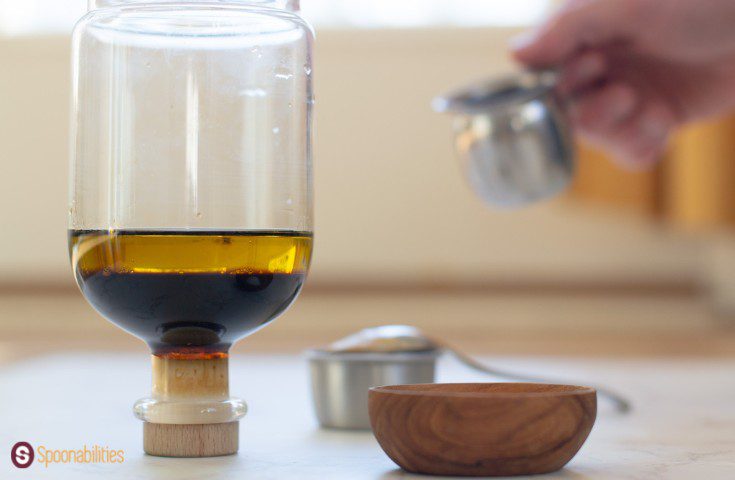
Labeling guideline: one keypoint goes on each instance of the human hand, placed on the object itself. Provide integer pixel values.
(634, 70)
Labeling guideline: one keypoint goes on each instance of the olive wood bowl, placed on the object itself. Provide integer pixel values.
(482, 429)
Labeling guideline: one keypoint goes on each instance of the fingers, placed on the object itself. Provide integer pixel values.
(604, 109)
(629, 119)
(642, 141)
(633, 127)
(582, 71)
(579, 24)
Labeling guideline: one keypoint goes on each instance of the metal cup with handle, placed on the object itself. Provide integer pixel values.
(513, 138)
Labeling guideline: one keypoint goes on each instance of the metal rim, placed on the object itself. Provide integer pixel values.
(502, 93)
(323, 355)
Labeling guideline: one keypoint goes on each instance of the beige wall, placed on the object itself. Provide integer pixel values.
(391, 203)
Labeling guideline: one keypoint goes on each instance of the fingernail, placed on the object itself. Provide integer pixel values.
(623, 106)
(588, 69)
(655, 129)
(523, 40)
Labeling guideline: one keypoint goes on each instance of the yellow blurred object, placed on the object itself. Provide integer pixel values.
(601, 181)
(693, 188)
(699, 191)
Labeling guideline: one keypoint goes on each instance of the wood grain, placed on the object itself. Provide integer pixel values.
(482, 429)
(206, 440)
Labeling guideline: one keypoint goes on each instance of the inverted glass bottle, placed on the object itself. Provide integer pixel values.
(190, 217)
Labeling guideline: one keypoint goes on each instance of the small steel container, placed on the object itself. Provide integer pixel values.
(513, 138)
(340, 381)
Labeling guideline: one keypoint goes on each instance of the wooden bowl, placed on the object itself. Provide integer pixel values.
(482, 429)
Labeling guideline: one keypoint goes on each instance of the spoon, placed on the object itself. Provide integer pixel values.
(404, 338)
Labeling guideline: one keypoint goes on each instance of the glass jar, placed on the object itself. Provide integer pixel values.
(191, 114)
(190, 216)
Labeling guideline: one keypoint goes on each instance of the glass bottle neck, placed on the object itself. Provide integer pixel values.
(290, 5)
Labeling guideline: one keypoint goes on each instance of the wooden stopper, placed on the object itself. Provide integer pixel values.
(196, 378)
(184, 383)
(204, 440)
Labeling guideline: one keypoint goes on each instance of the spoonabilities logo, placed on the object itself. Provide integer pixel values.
(22, 454)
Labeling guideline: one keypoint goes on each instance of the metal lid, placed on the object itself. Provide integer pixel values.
(498, 93)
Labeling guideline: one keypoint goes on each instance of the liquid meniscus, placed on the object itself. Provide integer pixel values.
(190, 292)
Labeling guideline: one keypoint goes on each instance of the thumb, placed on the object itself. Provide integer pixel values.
(577, 25)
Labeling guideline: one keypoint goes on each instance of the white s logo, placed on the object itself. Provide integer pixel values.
(21, 455)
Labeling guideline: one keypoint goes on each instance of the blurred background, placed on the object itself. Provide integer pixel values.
(638, 264)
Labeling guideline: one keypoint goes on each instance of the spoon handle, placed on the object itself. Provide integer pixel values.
(621, 404)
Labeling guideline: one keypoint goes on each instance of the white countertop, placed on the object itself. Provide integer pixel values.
(683, 425)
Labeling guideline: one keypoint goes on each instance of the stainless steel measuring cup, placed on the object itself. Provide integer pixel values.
(513, 138)
(340, 381)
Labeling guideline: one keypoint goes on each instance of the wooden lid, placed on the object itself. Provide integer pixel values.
(201, 440)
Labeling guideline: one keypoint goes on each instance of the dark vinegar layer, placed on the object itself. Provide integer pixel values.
(190, 293)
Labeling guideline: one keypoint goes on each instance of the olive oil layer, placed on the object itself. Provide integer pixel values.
(190, 292)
